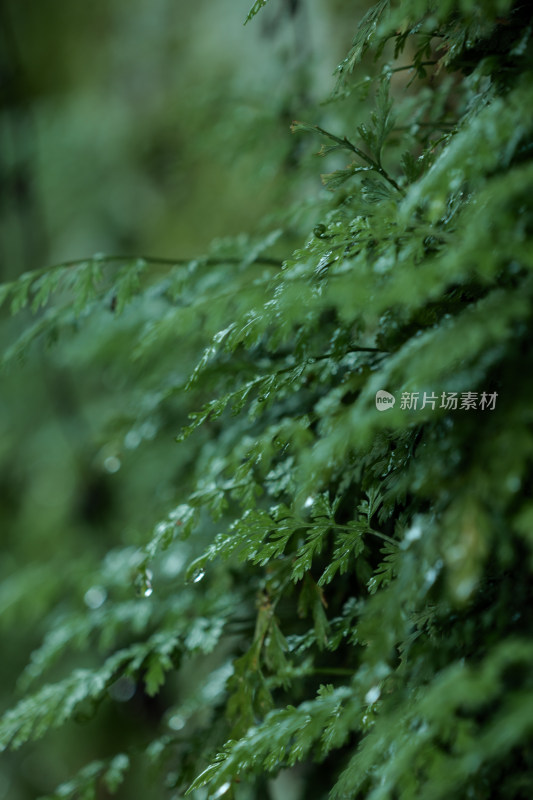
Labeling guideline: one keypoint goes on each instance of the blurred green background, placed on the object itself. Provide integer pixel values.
(153, 126)
(131, 127)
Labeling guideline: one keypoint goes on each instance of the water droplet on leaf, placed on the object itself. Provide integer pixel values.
(148, 429)
(143, 583)
(373, 695)
(95, 597)
(112, 464)
(221, 790)
(414, 533)
(132, 440)
(430, 576)
(198, 575)
(176, 722)
(123, 689)
(319, 231)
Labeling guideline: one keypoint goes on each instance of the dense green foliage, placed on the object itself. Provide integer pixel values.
(333, 595)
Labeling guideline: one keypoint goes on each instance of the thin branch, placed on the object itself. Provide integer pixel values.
(208, 262)
(368, 530)
(330, 671)
(412, 66)
(448, 126)
(347, 144)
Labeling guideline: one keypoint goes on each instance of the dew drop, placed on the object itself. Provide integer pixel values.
(144, 583)
(464, 588)
(309, 502)
(430, 576)
(382, 265)
(222, 790)
(414, 533)
(198, 575)
(148, 429)
(122, 690)
(173, 564)
(176, 722)
(132, 440)
(372, 695)
(161, 528)
(95, 597)
(171, 780)
(432, 573)
(112, 464)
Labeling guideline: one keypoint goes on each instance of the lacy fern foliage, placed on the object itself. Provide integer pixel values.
(345, 589)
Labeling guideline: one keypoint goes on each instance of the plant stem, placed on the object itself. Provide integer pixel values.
(413, 66)
(375, 165)
(208, 262)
